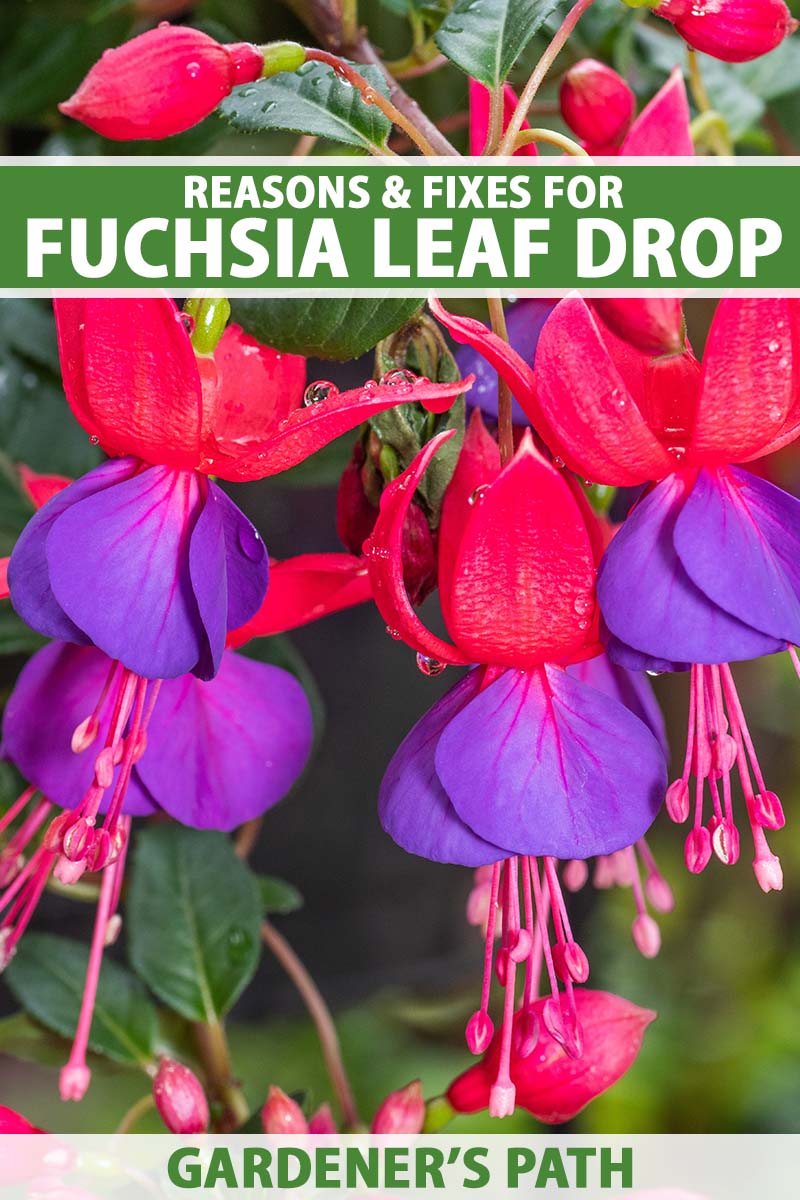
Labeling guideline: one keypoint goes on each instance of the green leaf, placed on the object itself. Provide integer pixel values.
(36, 426)
(47, 974)
(193, 918)
(486, 37)
(278, 896)
(337, 328)
(312, 100)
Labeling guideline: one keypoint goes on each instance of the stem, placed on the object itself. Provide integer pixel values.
(717, 132)
(247, 837)
(135, 1113)
(370, 96)
(349, 22)
(365, 52)
(505, 423)
(553, 138)
(213, 1046)
(413, 66)
(304, 145)
(540, 71)
(495, 130)
(320, 1015)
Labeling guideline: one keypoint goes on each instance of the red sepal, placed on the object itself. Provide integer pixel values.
(304, 589)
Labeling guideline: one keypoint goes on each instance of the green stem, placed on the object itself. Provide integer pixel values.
(540, 71)
(715, 128)
(135, 1113)
(505, 420)
(213, 1046)
(553, 138)
(349, 23)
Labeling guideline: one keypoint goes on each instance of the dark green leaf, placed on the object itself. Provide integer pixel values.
(47, 974)
(337, 328)
(36, 426)
(486, 37)
(278, 896)
(312, 100)
(27, 1040)
(193, 917)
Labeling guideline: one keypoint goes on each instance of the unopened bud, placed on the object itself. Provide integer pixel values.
(597, 103)
(282, 1114)
(402, 1111)
(161, 83)
(180, 1098)
(322, 1121)
(731, 30)
(281, 56)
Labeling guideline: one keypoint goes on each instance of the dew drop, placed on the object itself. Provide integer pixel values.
(583, 605)
(94, 439)
(773, 346)
(478, 495)
(559, 463)
(393, 633)
(654, 674)
(250, 543)
(239, 944)
(193, 70)
(430, 666)
(315, 393)
(187, 320)
(399, 377)
(676, 451)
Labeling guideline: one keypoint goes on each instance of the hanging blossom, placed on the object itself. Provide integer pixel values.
(256, 737)
(704, 570)
(521, 764)
(731, 30)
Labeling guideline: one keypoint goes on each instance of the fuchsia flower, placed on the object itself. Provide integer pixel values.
(671, 582)
(550, 1085)
(180, 1099)
(161, 83)
(305, 588)
(402, 1112)
(521, 763)
(733, 30)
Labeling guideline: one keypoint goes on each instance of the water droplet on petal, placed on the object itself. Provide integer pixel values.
(584, 604)
(393, 633)
(430, 666)
(478, 495)
(315, 393)
(250, 543)
(94, 439)
(773, 346)
(399, 378)
(193, 70)
(559, 463)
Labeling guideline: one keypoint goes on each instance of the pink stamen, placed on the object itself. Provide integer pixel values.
(86, 732)
(16, 808)
(75, 1076)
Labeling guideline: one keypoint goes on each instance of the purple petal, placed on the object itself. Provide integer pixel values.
(247, 563)
(119, 567)
(542, 764)
(630, 688)
(28, 573)
(222, 752)
(207, 571)
(413, 806)
(738, 538)
(56, 690)
(649, 602)
(634, 660)
(524, 320)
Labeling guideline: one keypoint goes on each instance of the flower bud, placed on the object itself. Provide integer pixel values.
(654, 326)
(322, 1122)
(597, 103)
(282, 1114)
(733, 30)
(161, 83)
(180, 1098)
(401, 1112)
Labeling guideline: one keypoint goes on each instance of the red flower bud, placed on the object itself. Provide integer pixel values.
(733, 30)
(402, 1111)
(160, 83)
(597, 103)
(654, 326)
(282, 1114)
(322, 1122)
(180, 1098)
(552, 1086)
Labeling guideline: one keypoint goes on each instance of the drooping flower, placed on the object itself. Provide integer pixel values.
(732, 30)
(520, 764)
(167, 80)
(704, 570)
(211, 754)
(550, 1085)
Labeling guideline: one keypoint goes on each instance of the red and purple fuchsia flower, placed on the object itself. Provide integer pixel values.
(523, 763)
(141, 571)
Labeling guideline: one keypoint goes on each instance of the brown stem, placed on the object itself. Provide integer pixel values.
(540, 71)
(320, 1015)
(135, 1113)
(505, 421)
(246, 837)
(412, 67)
(216, 1058)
